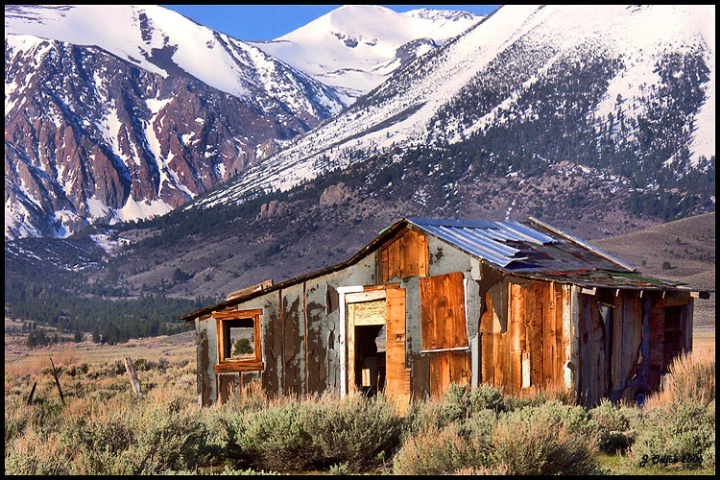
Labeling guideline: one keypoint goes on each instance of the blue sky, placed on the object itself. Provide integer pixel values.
(266, 22)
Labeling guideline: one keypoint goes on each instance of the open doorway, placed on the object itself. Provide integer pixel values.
(370, 359)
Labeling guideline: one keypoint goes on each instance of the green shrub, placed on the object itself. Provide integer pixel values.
(615, 434)
(463, 446)
(438, 452)
(676, 430)
(277, 439)
(487, 397)
(456, 405)
(358, 432)
(550, 439)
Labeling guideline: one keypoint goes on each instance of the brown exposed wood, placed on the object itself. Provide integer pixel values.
(448, 367)
(677, 300)
(254, 288)
(632, 337)
(442, 307)
(517, 339)
(305, 335)
(657, 346)
(244, 366)
(293, 360)
(397, 375)
(133, 377)
(233, 314)
(203, 364)
(228, 386)
(232, 365)
(592, 352)
(405, 256)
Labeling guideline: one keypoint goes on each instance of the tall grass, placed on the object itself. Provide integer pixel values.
(105, 429)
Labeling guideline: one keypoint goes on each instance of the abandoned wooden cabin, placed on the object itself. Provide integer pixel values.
(431, 302)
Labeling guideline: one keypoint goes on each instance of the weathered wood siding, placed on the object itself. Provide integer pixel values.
(670, 333)
(397, 371)
(444, 329)
(525, 342)
(404, 257)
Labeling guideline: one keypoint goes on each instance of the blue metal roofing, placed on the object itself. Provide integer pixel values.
(485, 239)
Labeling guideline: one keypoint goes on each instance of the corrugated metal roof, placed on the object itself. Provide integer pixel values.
(485, 239)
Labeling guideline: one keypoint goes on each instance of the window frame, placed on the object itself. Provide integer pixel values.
(229, 365)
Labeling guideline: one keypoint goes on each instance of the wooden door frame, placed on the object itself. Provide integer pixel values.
(349, 295)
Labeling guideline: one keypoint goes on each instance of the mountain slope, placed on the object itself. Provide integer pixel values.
(356, 47)
(611, 87)
(126, 112)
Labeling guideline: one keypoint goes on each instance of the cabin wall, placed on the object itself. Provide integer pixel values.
(526, 335)
(300, 339)
(441, 303)
(627, 341)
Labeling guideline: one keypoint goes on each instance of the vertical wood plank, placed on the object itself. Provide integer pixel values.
(397, 375)
(657, 345)
(423, 255)
(534, 331)
(487, 349)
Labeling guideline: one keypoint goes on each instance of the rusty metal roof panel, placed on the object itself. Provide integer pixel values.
(483, 239)
(519, 247)
(522, 232)
(476, 245)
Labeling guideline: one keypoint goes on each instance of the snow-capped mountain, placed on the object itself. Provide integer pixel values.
(627, 87)
(117, 113)
(356, 47)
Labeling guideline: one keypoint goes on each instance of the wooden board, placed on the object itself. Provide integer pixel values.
(442, 309)
(397, 375)
(405, 257)
(447, 368)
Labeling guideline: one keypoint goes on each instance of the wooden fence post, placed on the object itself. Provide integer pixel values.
(57, 381)
(32, 392)
(133, 376)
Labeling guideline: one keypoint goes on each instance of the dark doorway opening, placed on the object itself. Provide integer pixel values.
(370, 359)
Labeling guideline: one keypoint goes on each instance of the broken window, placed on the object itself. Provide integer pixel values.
(238, 336)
